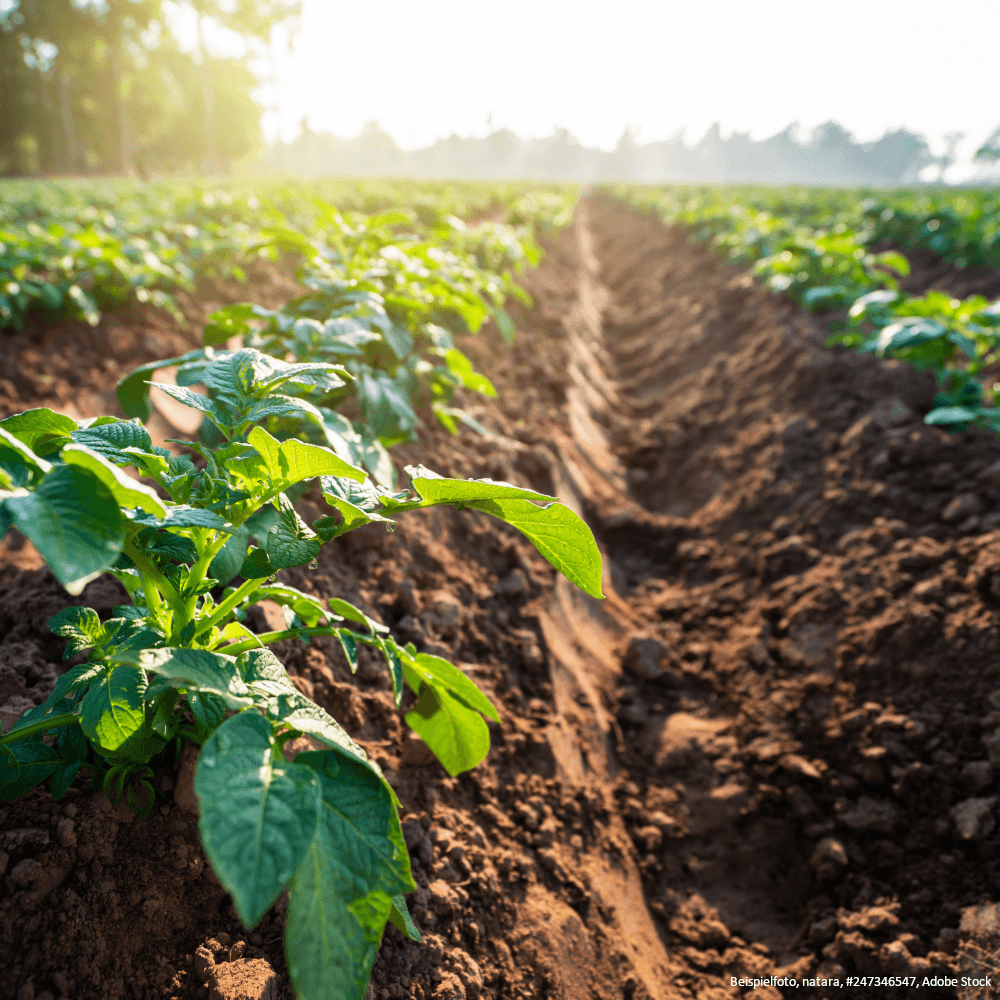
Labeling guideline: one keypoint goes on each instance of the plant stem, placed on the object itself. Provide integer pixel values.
(153, 599)
(266, 638)
(244, 590)
(51, 722)
(161, 583)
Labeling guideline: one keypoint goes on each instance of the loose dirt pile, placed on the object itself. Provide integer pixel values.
(773, 750)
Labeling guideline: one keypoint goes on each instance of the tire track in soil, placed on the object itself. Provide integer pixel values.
(756, 757)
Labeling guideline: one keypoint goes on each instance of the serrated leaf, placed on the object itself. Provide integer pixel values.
(182, 516)
(258, 817)
(113, 707)
(109, 439)
(290, 542)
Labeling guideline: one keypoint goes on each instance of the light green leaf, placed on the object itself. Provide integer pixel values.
(559, 535)
(293, 461)
(39, 427)
(436, 489)
(258, 815)
(123, 488)
(307, 608)
(399, 917)
(471, 379)
(440, 673)
(456, 734)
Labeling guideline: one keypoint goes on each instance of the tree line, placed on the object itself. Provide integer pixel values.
(828, 155)
(103, 86)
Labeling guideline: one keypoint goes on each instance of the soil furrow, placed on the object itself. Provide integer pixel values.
(772, 750)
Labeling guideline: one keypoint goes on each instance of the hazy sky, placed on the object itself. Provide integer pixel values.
(427, 68)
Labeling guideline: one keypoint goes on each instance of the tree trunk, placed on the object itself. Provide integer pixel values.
(70, 155)
(211, 162)
(118, 72)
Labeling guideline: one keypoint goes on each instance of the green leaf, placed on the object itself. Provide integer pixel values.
(257, 566)
(399, 339)
(440, 673)
(74, 679)
(109, 439)
(307, 608)
(950, 415)
(195, 670)
(74, 523)
(399, 917)
(391, 653)
(292, 461)
(230, 558)
(558, 534)
(259, 815)
(456, 734)
(471, 379)
(291, 542)
(182, 516)
(113, 707)
(123, 488)
(133, 390)
(40, 427)
(188, 397)
(18, 460)
(25, 764)
(341, 896)
(60, 781)
(505, 325)
(81, 626)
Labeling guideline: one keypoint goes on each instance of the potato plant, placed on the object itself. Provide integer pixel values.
(177, 665)
(383, 306)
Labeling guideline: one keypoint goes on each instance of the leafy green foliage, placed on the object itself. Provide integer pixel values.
(816, 245)
(177, 665)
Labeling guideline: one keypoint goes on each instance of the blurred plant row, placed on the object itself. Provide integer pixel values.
(843, 252)
(84, 245)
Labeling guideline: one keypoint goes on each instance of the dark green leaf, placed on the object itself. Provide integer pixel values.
(258, 816)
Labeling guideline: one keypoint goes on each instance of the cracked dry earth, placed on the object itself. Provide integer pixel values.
(773, 750)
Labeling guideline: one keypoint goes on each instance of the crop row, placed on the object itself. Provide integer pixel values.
(821, 248)
(307, 395)
(82, 246)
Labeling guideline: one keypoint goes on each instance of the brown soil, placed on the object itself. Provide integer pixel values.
(773, 750)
